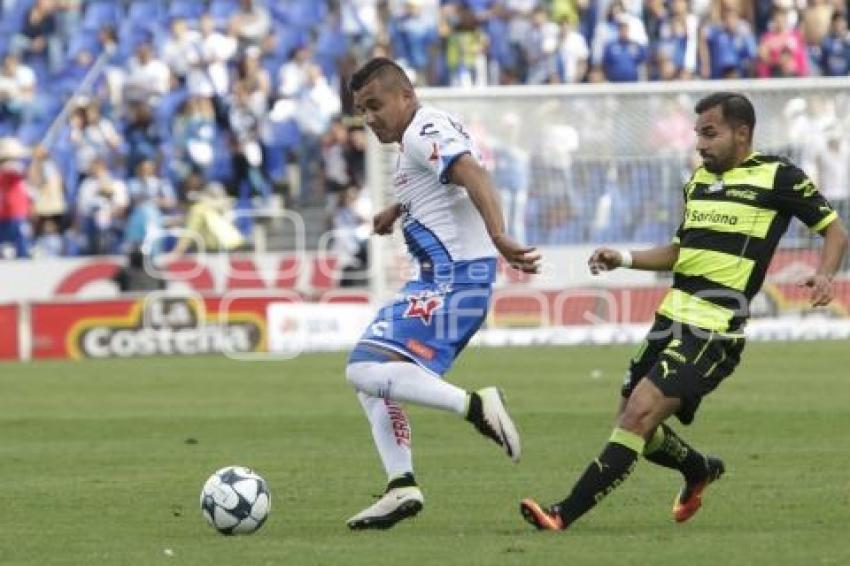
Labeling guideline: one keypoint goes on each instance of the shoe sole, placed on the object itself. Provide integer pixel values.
(406, 510)
(536, 517)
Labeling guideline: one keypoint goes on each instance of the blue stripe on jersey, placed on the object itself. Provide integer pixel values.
(436, 263)
(424, 245)
(447, 161)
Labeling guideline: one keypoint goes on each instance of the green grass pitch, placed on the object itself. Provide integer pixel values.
(102, 463)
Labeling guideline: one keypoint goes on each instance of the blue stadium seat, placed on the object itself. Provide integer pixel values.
(284, 134)
(102, 13)
(144, 12)
(222, 10)
(187, 9)
(83, 41)
(32, 132)
(13, 21)
(303, 15)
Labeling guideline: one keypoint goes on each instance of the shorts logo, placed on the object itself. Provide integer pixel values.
(667, 371)
(420, 349)
(422, 306)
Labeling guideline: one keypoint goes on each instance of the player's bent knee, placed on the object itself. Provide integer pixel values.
(358, 375)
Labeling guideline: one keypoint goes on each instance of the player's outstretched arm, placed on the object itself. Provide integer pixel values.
(835, 244)
(467, 173)
(662, 258)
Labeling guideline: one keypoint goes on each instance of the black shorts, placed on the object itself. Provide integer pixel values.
(684, 362)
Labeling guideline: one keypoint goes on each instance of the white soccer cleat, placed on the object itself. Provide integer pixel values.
(395, 505)
(496, 422)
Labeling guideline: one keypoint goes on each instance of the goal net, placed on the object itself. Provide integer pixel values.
(579, 167)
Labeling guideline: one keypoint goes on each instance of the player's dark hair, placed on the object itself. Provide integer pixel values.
(735, 108)
(377, 67)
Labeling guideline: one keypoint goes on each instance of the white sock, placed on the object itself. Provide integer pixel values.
(408, 383)
(391, 432)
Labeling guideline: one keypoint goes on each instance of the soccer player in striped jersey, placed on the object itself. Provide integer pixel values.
(453, 226)
(737, 206)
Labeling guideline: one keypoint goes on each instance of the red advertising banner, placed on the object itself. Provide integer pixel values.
(159, 324)
(9, 347)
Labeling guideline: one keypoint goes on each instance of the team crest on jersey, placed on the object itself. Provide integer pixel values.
(715, 187)
(423, 306)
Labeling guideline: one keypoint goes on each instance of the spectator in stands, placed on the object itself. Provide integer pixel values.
(208, 74)
(101, 208)
(679, 38)
(654, 14)
(355, 155)
(92, 135)
(255, 78)
(573, 54)
(351, 224)
(208, 226)
(782, 51)
(146, 73)
(49, 242)
(317, 105)
(37, 40)
(244, 120)
(815, 24)
(193, 138)
(334, 163)
(359, 22)
(145, 224)
(292, 76)
(623, 58)
(17, 88)
(45, 185)
(465, 48)
(835, 49)
(250, 23)
(180, 48)
(141, 135)
(608, 31)
(14, 200)
(147, 185)
(412, 34)
(728, 50)
(539, 46)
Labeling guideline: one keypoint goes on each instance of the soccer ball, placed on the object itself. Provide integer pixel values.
(235, 501)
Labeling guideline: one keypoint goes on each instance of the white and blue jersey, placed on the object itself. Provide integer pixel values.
(434, 316)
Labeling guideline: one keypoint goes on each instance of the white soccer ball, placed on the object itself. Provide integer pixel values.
(235, 501)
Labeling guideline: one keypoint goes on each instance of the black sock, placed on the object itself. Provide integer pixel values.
(474, 414)
(667, 449)
(609, 470)
(406, 480)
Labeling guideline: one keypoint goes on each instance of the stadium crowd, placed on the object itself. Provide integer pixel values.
(206, 104)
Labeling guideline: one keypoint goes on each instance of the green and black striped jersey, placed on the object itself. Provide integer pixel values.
(731, 227)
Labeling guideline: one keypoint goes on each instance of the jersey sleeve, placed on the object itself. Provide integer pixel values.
(437, 144)
(798, 196)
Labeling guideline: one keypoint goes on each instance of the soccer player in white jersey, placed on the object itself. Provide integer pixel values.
(454, 229)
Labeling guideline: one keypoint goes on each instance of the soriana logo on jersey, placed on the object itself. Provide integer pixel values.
(166, 325)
